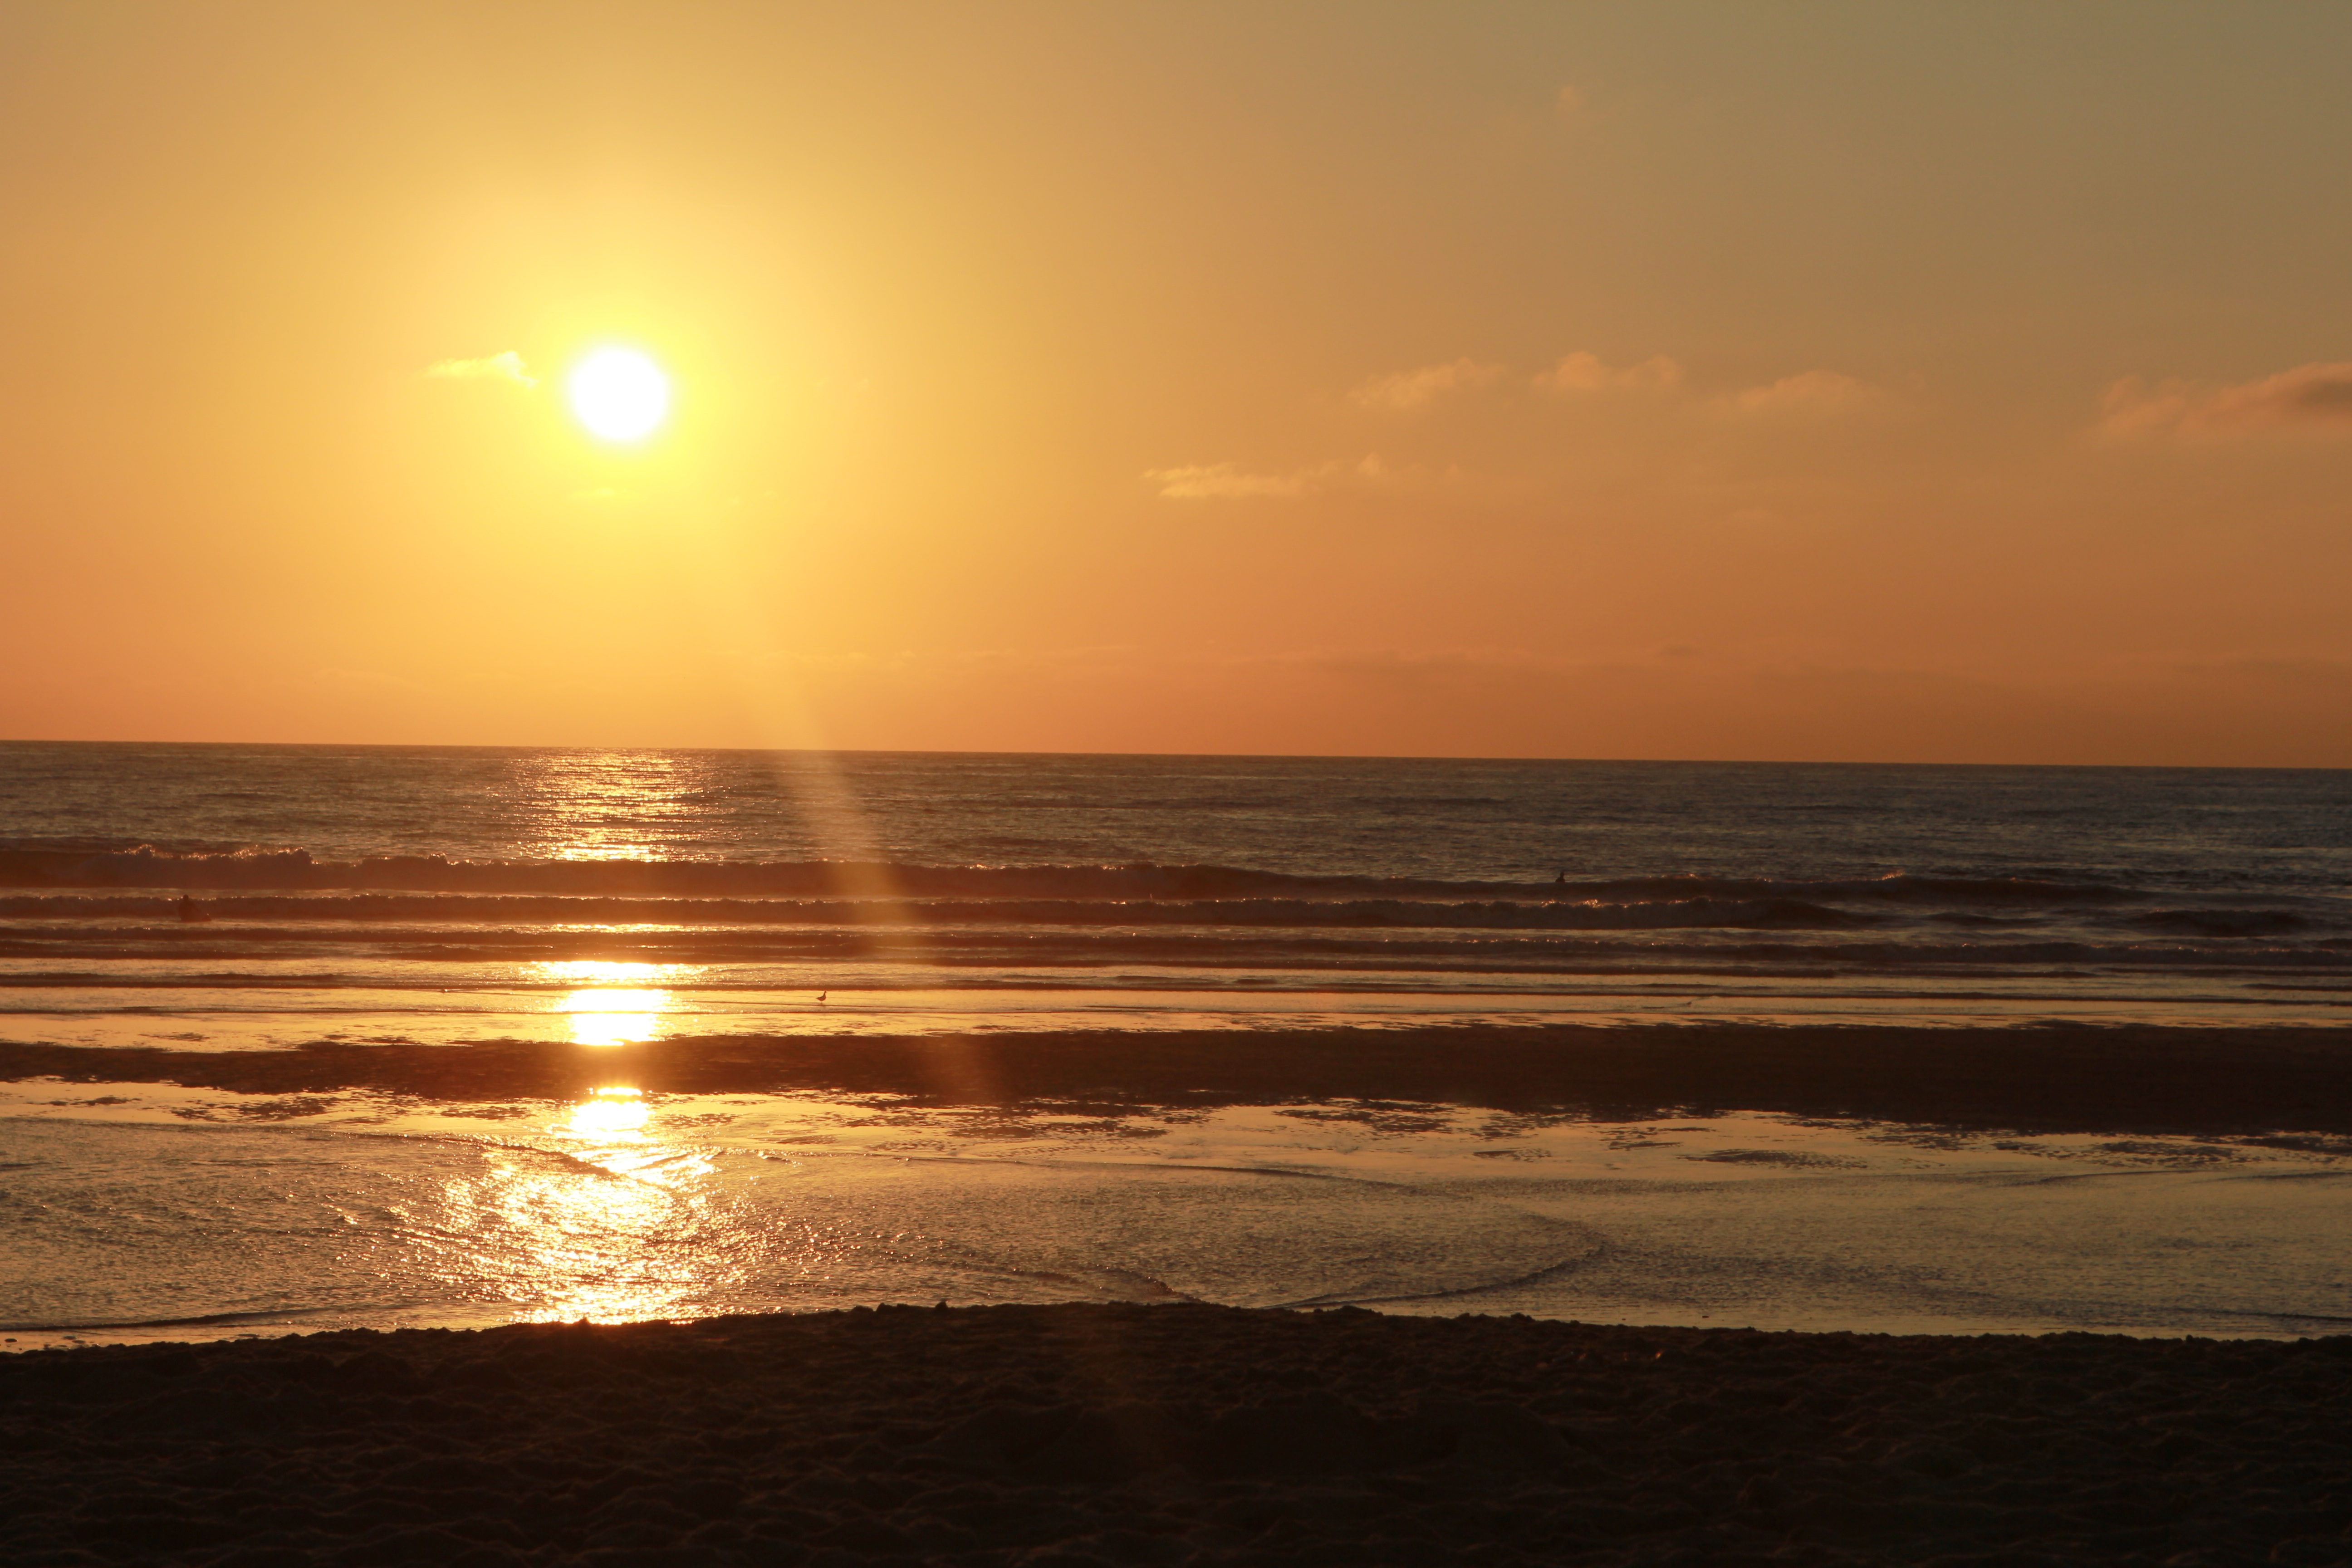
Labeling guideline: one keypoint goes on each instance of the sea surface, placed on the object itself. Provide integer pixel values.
(216, 899)
(473, 890)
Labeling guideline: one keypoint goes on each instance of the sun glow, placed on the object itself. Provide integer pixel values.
(619, 394)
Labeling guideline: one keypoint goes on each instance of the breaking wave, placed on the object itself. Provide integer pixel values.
(145, 866)
(78, 904)
(1288, 913)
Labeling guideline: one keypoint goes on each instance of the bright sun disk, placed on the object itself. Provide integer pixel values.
(619, 394)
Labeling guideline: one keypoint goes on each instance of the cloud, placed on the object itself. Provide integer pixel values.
(1583, 371)
(1810, 392)
(2310, 399)
(1224, 481)
(506, 366)
(1410, 389)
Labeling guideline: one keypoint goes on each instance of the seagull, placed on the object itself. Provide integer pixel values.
(823, 995)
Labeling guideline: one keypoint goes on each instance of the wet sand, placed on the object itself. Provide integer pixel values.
(2044, 1077)
(1083, 1435)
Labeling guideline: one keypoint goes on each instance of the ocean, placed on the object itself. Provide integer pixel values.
(463, 888)
(169, 911)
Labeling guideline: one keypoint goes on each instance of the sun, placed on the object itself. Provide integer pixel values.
(619, 394)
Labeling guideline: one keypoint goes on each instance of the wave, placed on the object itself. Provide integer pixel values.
(295, 870)
(1291, 913)
(328, 947)
(2223, 921)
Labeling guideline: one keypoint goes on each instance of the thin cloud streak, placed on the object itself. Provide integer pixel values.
(1812, 392)
(1582, 372)
(1411, 389)
(506, 366)
(1228, 482)
(2310, 399)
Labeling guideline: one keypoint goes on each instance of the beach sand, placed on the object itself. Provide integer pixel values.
(1074, 1434)
(1084, 1434)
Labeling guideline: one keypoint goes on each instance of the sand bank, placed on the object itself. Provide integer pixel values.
(1083, 1435)
(2052, 1077)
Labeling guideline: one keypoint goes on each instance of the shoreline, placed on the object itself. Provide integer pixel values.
(1175, 1435)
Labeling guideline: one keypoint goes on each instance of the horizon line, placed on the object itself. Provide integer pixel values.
(1201, 757)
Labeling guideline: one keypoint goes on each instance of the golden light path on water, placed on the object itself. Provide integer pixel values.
(615, 1017)
(621, 1228)
(613, 1113)
(627, 1227)
(623, 1010)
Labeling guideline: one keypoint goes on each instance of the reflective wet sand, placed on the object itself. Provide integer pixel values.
(265, 1214)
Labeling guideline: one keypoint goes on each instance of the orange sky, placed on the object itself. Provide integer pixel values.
(1871, 381)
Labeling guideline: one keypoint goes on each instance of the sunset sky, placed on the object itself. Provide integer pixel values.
(1964, 381)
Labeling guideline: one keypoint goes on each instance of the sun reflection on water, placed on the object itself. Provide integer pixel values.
(604, 1211)
(615, 1017)
(612, 1223)
(602, 971)
(598, 1247)
(614, 1112)
(611, 1012)
(608, 805)
(602, 1247)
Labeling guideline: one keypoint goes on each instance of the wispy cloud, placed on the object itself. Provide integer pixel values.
(1583, 371)
(506, 366)
(1810, 392)
(1224, 481)
(2311, 399)
(1227, 481)
(1411, 389)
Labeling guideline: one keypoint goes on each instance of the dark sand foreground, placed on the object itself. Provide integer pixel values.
(1085, 1435)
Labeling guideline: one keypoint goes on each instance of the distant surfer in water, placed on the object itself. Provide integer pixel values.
(191, 912)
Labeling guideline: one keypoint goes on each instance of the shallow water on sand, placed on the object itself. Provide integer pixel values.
(140, 1211)
(289, 1017)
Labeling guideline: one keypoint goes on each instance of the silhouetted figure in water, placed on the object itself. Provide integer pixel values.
(191, 912)
(1559, 885)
